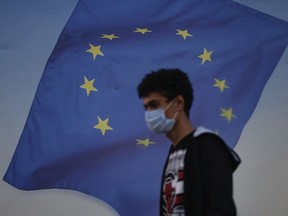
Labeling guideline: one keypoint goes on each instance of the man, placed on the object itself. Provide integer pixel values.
(197, 177)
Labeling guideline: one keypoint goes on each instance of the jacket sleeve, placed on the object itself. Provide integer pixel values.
(216, 168)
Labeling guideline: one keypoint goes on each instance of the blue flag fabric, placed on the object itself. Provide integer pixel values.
(86, 131)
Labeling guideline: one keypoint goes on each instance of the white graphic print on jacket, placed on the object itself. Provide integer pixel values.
(173, 187)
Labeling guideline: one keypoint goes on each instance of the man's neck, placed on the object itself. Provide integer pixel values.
(181, 129)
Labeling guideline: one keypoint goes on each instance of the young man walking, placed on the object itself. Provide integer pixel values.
(197, 176)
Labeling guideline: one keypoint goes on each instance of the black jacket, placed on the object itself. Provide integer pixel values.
(208, 184)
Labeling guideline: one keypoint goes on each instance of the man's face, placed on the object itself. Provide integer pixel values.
(155, 101)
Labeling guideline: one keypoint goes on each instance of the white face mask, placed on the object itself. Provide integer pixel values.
(158, 122)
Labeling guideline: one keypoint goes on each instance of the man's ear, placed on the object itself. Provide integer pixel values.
(180, 102)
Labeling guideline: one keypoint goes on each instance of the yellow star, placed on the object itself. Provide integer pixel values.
(221, 84)
(142, 30)
(88, 85)
(227, 113)
(103, 125)
(206, 56)
(95, 50)
(183, 33)
(110, 37)
(145, 142)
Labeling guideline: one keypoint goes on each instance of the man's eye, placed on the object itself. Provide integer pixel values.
(153, 104)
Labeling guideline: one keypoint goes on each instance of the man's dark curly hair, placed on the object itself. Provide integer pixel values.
(169, 83)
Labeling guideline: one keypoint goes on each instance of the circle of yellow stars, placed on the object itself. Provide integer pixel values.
(206, 56)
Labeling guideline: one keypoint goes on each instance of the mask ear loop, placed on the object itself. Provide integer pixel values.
(176, 114)
(169, 105)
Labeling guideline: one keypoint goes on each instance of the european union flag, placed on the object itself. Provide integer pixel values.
(86, 131)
